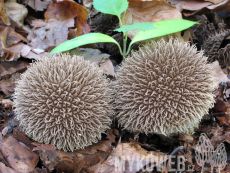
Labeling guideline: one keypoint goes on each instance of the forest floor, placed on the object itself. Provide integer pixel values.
(31, 29)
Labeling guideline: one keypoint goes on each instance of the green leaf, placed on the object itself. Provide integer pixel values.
(114, 7)
(163, 27)
(142, 26)
(83, 40)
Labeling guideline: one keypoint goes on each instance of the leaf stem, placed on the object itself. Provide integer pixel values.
(121, 25)
(125, 35)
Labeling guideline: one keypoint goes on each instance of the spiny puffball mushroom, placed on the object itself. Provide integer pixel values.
(64, 101)
(164, 88)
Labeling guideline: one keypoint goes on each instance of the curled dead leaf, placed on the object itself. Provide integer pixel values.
(69, 10)
(37, 5)
(4, 168)
(219, 73)
(77, 160)
(148, 11)
(46, 35)
(18, 156)
(129, 157)
(3, 14)
(16, 11)
(193, 7)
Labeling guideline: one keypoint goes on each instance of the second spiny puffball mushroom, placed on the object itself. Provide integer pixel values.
(164, 88)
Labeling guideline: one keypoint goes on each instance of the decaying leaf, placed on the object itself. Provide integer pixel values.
(37, 5)
(18, 156)
(10, 46)
(28, 52)
(88, 3)
(40, 146)
(224, 120)
(219, 73)
(16, 11)
(215, 1)
(8, 68)
(217, 140)
(20, 135)
(7, 85)
(3, 14)
(69, 10)
(129, 157)
(111, 134)
(46, 35)
(96, 57)
(148, 11)
(4, 168)
(189, 8)
(79, 160)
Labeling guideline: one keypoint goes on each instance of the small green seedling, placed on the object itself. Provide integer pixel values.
(147, 30)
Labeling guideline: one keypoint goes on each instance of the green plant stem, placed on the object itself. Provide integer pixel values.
(124, 47)
(125, 35)
(121, 25)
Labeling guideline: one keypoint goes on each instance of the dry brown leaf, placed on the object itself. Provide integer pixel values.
(104, 145)
(78, 160)
(40, 146)
(223, 6)
(190, 5)
(7, 85)
(69, 10)
(187, 138)
(46, 35)
(10, 46)
(37, 54)
(8, 68)
(5, 130)
(140, 157)
(4, 168)
(18, 156)
(95, 57)
(3, 33)
(107, 67)
(37, 5)
(38, 170)
(217, 140)
(20, 136)
(14, 52)
(88, 3)
(110, 135)
(3, 14)
(200, 6)
(224, 120)
(13, 37)
(148, 11)
(16, 11)
(7, 103)
(128, 157)
(220, 75)
(215, 1)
